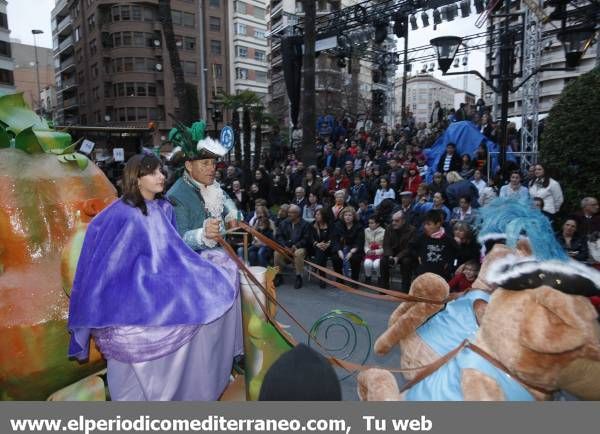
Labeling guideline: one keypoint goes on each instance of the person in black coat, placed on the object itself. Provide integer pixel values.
(293, 234)
(348, 243)
(321, 232)
(574, 245)
(450, 161)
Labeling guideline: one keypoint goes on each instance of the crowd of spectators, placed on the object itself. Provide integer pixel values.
(365, 206)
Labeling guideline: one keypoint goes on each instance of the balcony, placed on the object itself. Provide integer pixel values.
(66, 64)
(60, 5)
(68, 42)
(67, 84)
(70, 103)
(64, 25)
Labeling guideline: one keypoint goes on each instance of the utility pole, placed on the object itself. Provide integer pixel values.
(37, 70)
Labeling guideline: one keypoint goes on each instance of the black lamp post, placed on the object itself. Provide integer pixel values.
(575, 41)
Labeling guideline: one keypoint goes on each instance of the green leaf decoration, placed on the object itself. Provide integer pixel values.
(197, 130)
(75, 158)
(17, 116)
(4, 138)
(27, 141)
(52, 141)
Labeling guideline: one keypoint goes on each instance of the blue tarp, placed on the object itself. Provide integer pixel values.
(467, 139)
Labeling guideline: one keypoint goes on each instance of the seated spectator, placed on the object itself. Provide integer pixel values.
(385, 210)
(293, 234)
(458, 187)
(348, 242)
(450, 161)
(407, 208)
(384, 192)
(434, 249)
(438, 184)
(478, 181)
(258, 253)
(374, 234)
(253, 196)
(588, 218)
(321, 233)
(490, 192)
(514, 189)
(468, 249)
(308, 213)
(538, 203)
(364, 212)
(311, 183)
(436, 204)
(338, 181)
(396, 251)
(282, 214)
(300, 197)
(575, 245)
(413, 180)
(464, 212)
(464, 278)
(422, 166)
(467, 169)
(358, 191)
(239, 196)
(339, 204)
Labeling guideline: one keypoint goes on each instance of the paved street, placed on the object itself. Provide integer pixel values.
(310, 303)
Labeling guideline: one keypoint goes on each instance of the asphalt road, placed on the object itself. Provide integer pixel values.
(310, 303)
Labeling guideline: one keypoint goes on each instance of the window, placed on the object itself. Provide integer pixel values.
(261, 76)
(127, 39)
(240, 29)
(122, 115)
(5, 49)
(125, 16)
(77, 35)
(151, 89)
(189, 43)
(240, 7)
(95, 93)
(142, 114)
(188, 19)
(129, 89)
(259, 55)
(241, 51)
(259, 34)
(149, 14)
(214, 3)
(107, 88)
(217, 70)
(95, 70)
(241, 73)
(214, 24)
(139, 64)
(130, 114)
(93, 48)
(136, 13)
(3, 21)
(215, 47)
(7, 77)
(127, 64)
(259, 13)
(176, 16)
(115, 13)
(139, 39)
(189, 68)
(140, 89)
(117, 40)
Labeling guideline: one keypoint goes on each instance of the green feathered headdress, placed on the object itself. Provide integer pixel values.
(192, 143)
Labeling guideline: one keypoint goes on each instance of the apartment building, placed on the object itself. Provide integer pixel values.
(25, 73)
(422, 91)
(112, 66)
(7, 65)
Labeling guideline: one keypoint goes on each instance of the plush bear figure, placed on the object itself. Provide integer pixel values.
(535, 340)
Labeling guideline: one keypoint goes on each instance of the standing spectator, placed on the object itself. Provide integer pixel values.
(435, 250)
(293, 234)
(339, 204)
(321, 232)
(329, 157)
(310, 209)
(480, 158)
(261, 179)
(348, 171)
(437, 114)
(588, 219)
(374, 234)
(463, 212)
(311, 183)
(364, 212)
(478, 182)
(348, 242)
(277, 194)
(394, 174)
(459, 187)
(514, 189)
(300, 198)
(546, 188)
(384, 192)
(450, 161)
(574, 244)
(461, 113)
(397, 240)
(297, 176)
(239, 196)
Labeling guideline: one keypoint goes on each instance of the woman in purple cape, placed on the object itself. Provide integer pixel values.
(167, 320)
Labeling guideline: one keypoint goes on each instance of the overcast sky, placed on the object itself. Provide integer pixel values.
(25, 15)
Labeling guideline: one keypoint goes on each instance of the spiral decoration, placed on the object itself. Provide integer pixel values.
(341, 333)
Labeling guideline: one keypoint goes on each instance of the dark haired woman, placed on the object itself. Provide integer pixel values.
(321, 232)
(166, 319)
(546, 188)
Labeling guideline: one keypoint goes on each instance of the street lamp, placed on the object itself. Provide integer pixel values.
(575, 42)
(37, 67)
(446, 47)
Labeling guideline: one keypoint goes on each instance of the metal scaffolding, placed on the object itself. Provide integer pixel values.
(530, 95)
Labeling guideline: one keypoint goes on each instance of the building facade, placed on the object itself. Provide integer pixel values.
(112, 65)
(422, 91)
(249, 67)
(25, 72)
(7, 65)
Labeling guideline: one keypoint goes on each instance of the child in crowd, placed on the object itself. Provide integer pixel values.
(373, 248)
(464, 279)
(435, 250)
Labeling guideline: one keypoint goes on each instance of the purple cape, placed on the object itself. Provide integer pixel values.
(135, 270)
